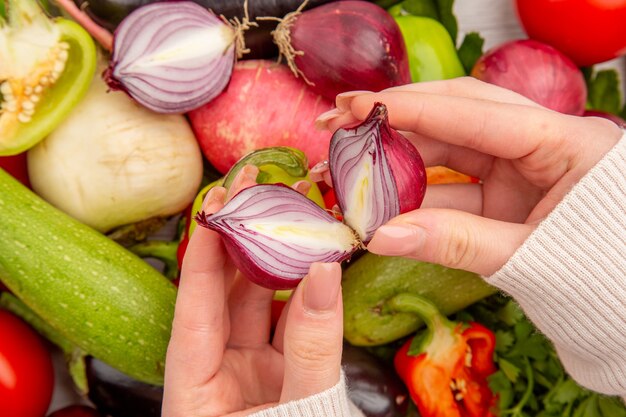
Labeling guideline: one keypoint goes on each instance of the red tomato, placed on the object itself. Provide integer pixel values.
(16, 166)
(588, 31)
(26, 373)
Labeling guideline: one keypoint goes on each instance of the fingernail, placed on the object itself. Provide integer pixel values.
(396, 240)
(214, 194)
(303, 187)
(321, 123)
(321, 288)
(320, 167)
(343, 100)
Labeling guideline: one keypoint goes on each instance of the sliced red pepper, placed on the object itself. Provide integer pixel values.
(446, 369)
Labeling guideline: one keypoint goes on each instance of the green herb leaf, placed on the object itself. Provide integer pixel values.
(504, 340)
(440, 10)
(604, 92)
(447, 17)
(511, 371)
(588, 408)
(510, 314)
(499, 384)
(426, 8)
(611, 407)
(564, 392)
(470, 50)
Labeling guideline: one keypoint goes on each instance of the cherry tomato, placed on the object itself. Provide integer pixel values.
(588, 31)
(76, 411)
(26, 373)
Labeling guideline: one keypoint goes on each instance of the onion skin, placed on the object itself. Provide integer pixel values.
(349, 45)
(262, 257)
(263, 106)
(537, 71)
(395, 184)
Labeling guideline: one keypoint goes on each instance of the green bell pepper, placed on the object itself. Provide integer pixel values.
(276, 165)
(432, 55)
(46, 67)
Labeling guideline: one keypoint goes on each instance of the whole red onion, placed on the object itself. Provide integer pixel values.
(344, 46)
(537, 71)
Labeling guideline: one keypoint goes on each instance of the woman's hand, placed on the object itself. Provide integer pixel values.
(220, 360)
(527, 157)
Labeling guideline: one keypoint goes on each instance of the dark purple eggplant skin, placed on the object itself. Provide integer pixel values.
(118, 395)
(373, 385)
(109, 13)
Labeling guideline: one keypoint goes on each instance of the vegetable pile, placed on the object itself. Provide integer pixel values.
(93, 179)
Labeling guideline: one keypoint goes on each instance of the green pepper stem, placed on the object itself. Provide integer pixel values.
(164, 251)
(420, 306)
(291, 160)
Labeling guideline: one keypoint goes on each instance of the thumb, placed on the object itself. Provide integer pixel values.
(452, 238)
(313, 334)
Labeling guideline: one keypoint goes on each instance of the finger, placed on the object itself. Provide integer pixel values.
(504, 130)
(244, 179)
(468, 87)
(313, 334)
(465, 197)
(197, 343)
(279, 331)
(249, 306)
(302, 187)
(451, 238)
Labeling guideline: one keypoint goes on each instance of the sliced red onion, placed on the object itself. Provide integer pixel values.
(172, 57)
(274, 234)
(377, 173)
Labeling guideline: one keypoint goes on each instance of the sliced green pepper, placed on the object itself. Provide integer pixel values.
(46, 67)
(277, 165)
(432, 55)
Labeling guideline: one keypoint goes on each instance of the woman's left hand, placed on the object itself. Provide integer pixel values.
(220, 359)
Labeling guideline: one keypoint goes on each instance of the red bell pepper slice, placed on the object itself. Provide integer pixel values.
(446, 369)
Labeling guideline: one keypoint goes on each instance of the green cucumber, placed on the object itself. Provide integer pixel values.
(369, 282)
(98, 295)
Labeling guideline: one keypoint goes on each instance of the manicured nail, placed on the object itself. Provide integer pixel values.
(343, 100)
(321, 123)
(215, 194)
(302, 187)
(396, 240)
(321, 287)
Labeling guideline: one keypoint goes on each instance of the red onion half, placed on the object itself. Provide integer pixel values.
(377, 173)
(344, 46)
(537, 71)
(172, 57)
(273, 234)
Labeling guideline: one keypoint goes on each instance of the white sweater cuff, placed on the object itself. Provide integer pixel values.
(570, 276)
(330, 403)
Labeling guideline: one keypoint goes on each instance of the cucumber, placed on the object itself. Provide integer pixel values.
(101, 297)
(372, 280)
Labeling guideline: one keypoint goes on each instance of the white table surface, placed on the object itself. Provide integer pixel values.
(495, 20)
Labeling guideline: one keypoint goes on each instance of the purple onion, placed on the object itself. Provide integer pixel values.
(274, 234)
(377, 173)
(172, 57)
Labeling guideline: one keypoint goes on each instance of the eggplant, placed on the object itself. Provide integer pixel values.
(118, 395)
(109, 13)
(373, 385)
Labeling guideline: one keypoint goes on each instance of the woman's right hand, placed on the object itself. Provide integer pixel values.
(526, 156)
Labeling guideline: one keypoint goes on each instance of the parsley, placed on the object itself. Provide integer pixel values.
(530, 380)
(470, 50)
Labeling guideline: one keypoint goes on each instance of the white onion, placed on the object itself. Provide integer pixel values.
(113, 162)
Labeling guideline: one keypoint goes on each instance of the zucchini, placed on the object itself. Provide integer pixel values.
(98, 295)
(372, 280)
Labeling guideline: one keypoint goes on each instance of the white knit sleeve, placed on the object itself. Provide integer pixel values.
(333, 402)
(570, 276)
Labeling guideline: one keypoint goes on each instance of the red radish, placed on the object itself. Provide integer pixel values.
(264, 105)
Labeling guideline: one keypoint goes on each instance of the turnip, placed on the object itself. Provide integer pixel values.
(264, 105)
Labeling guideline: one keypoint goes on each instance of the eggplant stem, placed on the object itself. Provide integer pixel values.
(103, 36)
(282, 38)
